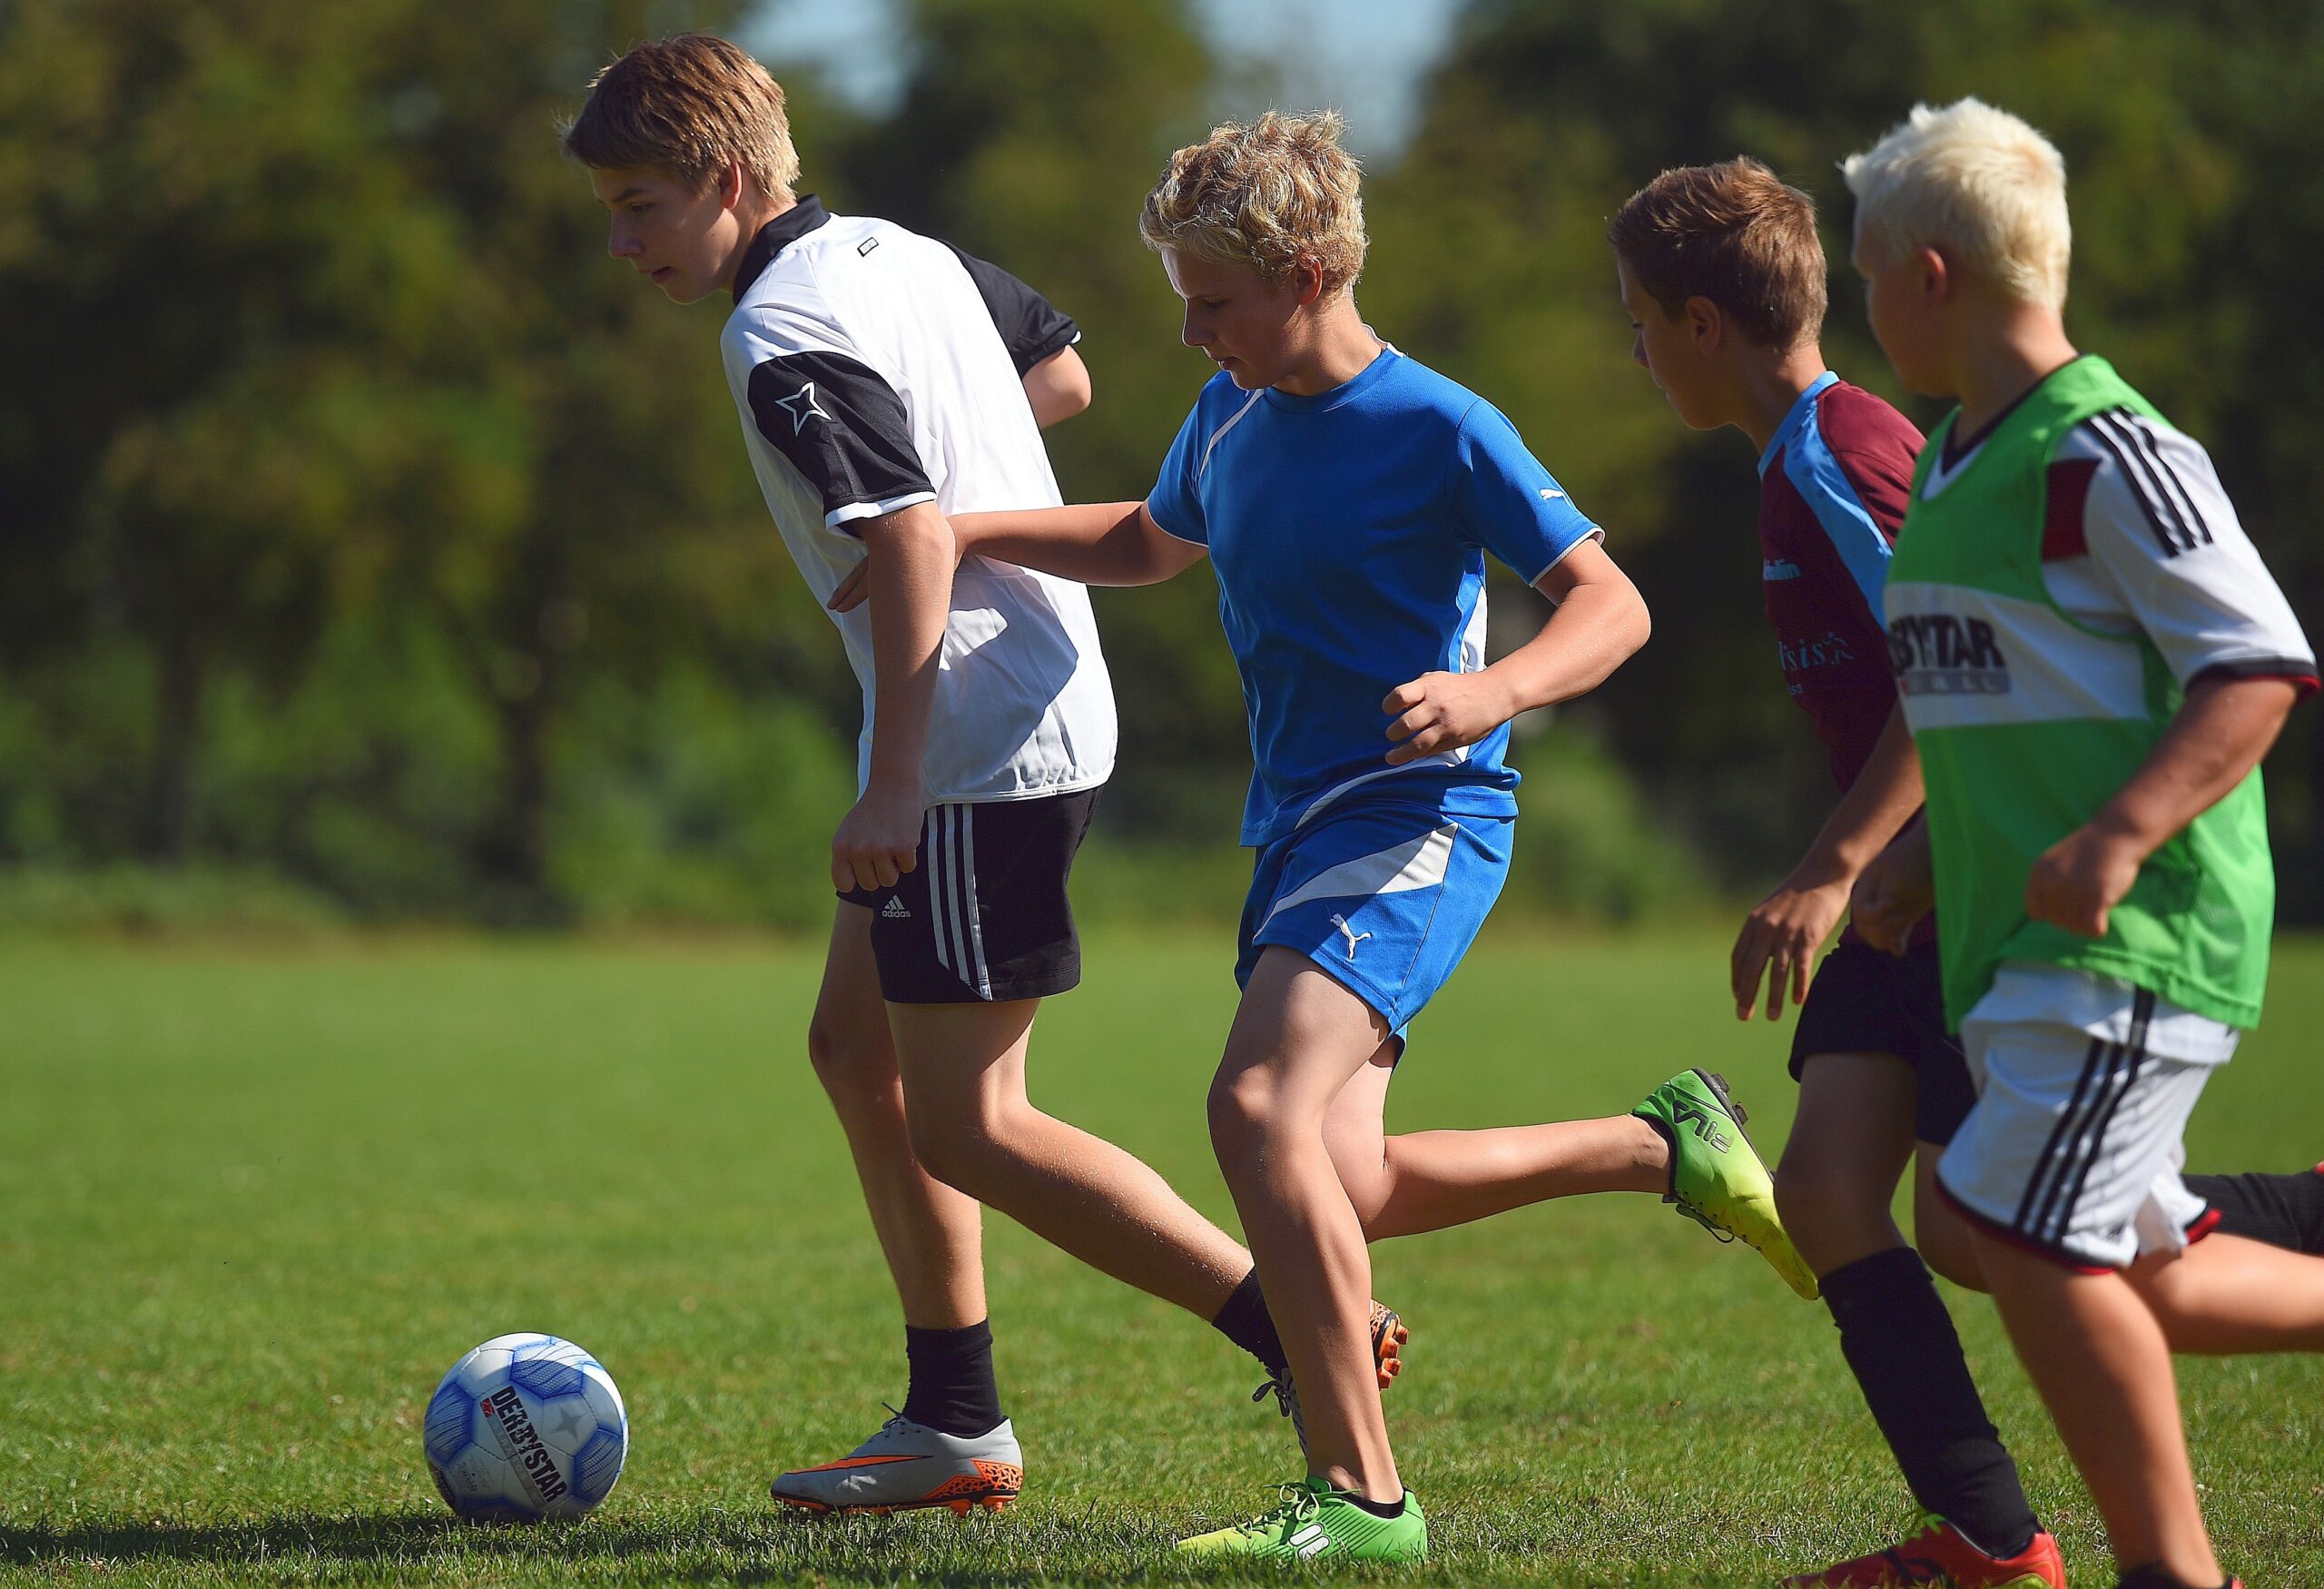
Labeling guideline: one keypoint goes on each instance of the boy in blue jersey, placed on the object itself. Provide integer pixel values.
(1723, 277)
(1347, 498)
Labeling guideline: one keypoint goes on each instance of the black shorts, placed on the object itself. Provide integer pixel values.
(1865, 1001)
(983, 916)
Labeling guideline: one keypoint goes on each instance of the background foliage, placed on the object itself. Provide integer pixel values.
(364, 531)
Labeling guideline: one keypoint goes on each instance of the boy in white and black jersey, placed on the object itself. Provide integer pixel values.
(886, 382)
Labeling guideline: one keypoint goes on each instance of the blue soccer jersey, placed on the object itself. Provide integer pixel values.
(1348, 530)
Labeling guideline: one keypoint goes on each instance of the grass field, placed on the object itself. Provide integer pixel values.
(253, 1204)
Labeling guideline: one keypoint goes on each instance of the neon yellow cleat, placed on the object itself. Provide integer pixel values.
(1717, 1177)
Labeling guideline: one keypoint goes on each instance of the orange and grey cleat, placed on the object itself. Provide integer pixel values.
(908, 1467)
(1939, 1554)
(1389, 1337)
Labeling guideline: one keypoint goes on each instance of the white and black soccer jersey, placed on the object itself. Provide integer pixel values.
(875, 368)
(2139, 534)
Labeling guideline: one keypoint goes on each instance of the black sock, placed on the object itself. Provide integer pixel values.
(1900, 1342)
(1394, 1509)
(1245, 1320)
(2156, 1577)
(952, 1390)
(2282, 1211)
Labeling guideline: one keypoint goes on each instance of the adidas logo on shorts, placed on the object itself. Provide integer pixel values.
(894, 910)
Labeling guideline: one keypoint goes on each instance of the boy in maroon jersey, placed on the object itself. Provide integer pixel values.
(1722, 275)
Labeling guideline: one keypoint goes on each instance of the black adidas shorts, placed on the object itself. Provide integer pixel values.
(983, 916)
(1866, 1001)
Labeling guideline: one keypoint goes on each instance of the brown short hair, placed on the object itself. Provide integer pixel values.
(1265, 197)
(1735, 234)
(688, 106)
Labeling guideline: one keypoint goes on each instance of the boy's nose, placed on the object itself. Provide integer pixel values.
(621, 244)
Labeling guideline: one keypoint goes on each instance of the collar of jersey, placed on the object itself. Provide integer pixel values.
(1793, 422)
(1346, 390)
(775, 236)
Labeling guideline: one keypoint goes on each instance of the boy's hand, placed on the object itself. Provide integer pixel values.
(852, 591)
(1779, 939)
(1896, 892)
(2082, 878)
(879, 839)
(1443, 711)
(855, 589)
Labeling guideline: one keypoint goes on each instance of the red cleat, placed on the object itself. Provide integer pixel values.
(1939, 1557)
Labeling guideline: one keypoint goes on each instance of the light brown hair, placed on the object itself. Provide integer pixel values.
(1265, 196)
(1736, 233)
(688, 105)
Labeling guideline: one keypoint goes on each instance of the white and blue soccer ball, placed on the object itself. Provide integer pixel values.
(527, 1428)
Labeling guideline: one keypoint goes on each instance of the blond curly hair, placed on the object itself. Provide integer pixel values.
(1265, 196)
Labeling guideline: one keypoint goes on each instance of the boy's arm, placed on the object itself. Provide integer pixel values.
(1057, 387)
(908, 566)
(1105, 543)
(1781, 935)
(2160, 548)
(1896, 891)
(2221, 732)
(1599, 622)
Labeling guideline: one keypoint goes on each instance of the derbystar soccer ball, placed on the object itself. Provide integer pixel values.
(525, 1427)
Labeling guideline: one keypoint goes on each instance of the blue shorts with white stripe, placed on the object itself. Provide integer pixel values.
(1384, 894)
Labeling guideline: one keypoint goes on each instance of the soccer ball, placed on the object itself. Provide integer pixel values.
(525, 1427)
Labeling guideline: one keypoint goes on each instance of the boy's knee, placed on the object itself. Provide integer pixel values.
(1808, 1194)
(946, 1148)
(854, 1068)
(961, 1146)
(1240, 1109)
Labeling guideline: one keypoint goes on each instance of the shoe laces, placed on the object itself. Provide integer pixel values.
(1299, 1504)
(1287, 1401)
(1717, 1230)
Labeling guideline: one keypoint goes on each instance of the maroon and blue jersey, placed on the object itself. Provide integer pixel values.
(1833, 488)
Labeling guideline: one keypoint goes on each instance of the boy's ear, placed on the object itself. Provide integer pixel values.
(1307, 280)
(1706, 323)
(1935, 274)
(729, 184)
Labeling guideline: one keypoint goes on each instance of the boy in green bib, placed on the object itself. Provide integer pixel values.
(2092, 660)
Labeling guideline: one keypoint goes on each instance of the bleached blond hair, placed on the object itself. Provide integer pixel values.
(1977, 183)
(1265, 196)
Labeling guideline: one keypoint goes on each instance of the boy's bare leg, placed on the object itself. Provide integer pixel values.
(2096, 1353)
(1848, 1146)
(1943, 1238)
(2226, 1294)
(972, 1125)
(930, 1234)
(1298, 1038)
(2223, 1295)
(1430, 1181)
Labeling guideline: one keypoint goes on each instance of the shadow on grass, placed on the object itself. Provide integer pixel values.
(977, 1554)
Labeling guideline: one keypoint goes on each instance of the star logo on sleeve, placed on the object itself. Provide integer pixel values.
(801, 405)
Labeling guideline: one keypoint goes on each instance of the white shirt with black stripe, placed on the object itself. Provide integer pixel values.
(2139, 536)
(875, 368)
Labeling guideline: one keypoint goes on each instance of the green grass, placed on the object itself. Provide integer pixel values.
(253, 1204)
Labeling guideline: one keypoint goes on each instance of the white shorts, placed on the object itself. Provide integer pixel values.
(2084, 1084)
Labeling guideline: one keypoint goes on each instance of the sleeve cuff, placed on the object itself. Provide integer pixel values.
(847, 513)
(1161, 525)
(1594, 533)
(2299, 670)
